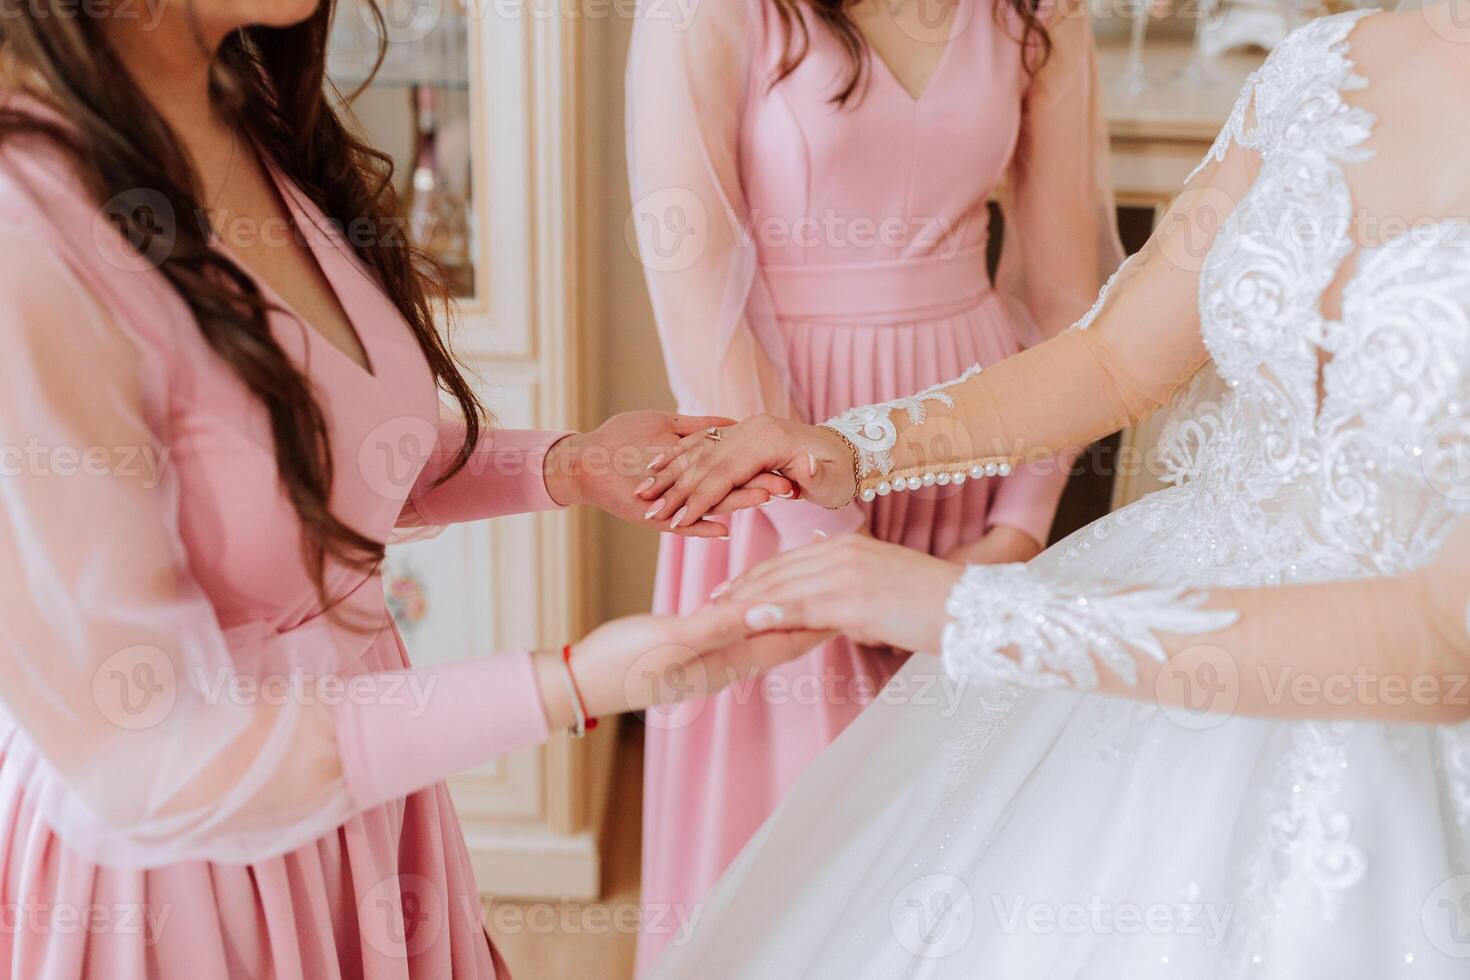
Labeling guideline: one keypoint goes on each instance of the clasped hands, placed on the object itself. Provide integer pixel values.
(875, 592)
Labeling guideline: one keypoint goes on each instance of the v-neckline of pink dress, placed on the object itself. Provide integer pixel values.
(328, 260)
(935, 76)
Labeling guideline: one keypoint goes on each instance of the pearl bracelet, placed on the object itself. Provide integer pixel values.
(934, 478)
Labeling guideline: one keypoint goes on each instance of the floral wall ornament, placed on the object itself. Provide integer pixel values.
(408, 599)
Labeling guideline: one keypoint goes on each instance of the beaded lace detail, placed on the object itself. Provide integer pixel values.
(1009, 624)
(1336, 451)
(871, 430)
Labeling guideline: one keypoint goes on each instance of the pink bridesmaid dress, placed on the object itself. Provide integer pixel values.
(202, 775)
(802, 259)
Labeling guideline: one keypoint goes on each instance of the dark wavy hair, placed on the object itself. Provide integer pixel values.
(271, 82)
(1034, 40)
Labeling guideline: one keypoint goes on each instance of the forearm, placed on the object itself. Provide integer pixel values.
(1060, 395)
(402, 731)
(1385, 649)
(1375, 650)
(509, 471)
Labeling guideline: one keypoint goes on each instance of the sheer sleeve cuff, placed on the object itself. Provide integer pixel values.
(401, 731)
(886, 465)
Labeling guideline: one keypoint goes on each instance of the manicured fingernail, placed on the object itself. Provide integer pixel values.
(720, 589)
(763, 617)
(811, 463)
(643, 486)
(678, 516)
(656, 460)
(787, 495)
(820, 535)
(658, 505)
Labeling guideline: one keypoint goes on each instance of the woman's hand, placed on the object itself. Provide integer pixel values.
(606, 466)
(1001, 545)
(699, 473)
(873, 591)
(640, 661)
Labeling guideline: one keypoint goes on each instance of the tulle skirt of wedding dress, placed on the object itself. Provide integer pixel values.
(996, 834)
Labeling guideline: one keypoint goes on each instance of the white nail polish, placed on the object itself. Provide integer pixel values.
(763, 617)
(720, 589)
(787, 495)
(819, 535)
(678, 516)
(652, 511)
(656, 460)
(643, 486)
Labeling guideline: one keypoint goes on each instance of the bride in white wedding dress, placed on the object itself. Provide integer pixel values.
(1274, 784)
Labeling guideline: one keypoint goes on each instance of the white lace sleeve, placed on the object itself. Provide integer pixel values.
(1009, 624)
(871, 430)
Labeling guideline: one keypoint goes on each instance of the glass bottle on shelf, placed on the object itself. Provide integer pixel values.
(438, 218)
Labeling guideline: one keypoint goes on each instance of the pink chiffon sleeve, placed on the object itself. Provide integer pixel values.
(1060, 240)
(98, 592)
(687, 84)
(505, 474)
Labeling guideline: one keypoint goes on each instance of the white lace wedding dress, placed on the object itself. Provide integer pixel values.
(993, 831)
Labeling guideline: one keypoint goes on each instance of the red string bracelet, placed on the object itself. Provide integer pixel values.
(585, 722)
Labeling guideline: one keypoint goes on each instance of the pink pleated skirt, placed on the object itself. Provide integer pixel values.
(389, 896)
(716, 768)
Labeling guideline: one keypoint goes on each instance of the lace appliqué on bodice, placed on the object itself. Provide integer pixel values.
(1283, 487)
(1275, 484)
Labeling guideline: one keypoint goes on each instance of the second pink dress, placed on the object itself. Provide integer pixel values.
(804, 258)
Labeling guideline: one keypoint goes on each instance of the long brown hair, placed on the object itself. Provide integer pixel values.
(833, 14)
(270, 81)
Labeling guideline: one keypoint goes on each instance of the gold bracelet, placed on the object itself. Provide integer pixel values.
(857, 462)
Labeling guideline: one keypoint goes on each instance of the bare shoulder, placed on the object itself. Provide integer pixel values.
(1415, 66)
(1427, 45)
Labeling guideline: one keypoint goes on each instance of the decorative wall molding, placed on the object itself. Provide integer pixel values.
(532, 820)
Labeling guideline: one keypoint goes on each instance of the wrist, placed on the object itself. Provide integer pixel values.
(944, 586)
(838, 450)
(1012, 543)
(561, 470)
(1002, 544)
(555, 698)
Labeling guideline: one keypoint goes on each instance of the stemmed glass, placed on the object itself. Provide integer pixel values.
(1201, 70)
(1135, 74)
